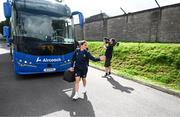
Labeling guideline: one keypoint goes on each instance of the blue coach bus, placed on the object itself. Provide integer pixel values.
(42, 35)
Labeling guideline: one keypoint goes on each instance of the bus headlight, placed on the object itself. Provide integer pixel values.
(25, 63)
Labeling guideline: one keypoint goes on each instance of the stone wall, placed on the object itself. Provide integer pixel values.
(153, 25)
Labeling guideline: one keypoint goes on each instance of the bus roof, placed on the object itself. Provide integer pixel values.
(46, 7)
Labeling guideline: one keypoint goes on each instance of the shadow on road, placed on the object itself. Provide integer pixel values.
(38, 95)
(118, 86)
(79, 108)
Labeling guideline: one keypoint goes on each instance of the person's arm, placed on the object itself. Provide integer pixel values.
(105, 46)
(73, 59)
(92, 58)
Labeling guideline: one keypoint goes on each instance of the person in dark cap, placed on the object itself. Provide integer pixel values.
(109, 44)
(80, 64)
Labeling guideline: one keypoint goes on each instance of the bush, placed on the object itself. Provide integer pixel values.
(177, 61)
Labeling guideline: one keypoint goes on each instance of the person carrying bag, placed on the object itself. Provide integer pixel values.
(80, 62)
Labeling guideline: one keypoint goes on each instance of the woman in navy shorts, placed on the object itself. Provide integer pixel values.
(80, 62)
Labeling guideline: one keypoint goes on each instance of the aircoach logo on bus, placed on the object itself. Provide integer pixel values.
(48, 60)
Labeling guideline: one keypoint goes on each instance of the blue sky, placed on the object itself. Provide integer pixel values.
(111, 7)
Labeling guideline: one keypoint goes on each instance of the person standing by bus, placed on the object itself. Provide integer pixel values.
(80, 65)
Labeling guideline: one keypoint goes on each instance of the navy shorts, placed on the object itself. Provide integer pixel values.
(80, 73)
(107, 62)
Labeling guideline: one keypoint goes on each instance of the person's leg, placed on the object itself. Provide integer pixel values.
(77, 80)
(109, 70)
(106, 65)
(84, 80)
(106, 72)
(84, 85)
(77, 83)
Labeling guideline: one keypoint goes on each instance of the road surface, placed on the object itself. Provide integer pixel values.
(49, 95)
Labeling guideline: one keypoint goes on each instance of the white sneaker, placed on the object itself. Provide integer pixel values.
(75, 97)
(83, 90)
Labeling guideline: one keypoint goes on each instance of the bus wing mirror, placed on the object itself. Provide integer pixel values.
(81, 17)
(7, 9)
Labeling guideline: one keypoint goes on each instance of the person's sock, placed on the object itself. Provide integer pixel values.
(84, 89)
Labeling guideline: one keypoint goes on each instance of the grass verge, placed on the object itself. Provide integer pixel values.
(154, 63)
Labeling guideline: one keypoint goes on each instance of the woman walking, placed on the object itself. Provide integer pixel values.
(80, 62)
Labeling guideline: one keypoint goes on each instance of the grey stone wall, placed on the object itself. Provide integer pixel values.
(78, 32)
(153, 25)
(169, 30)
(94, 30)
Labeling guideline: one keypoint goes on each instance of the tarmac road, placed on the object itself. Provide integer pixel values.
(49, 95)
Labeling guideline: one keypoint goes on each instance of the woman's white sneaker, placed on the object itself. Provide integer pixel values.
(76, 96)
